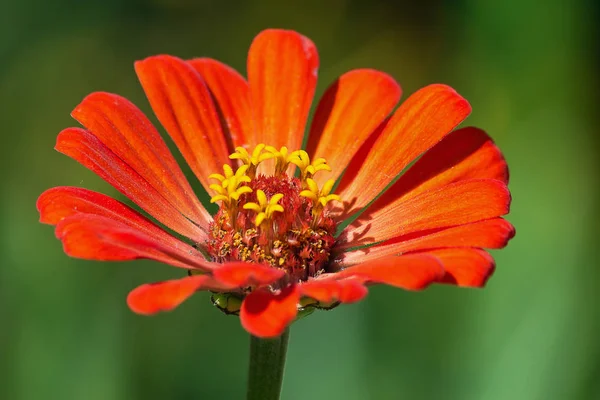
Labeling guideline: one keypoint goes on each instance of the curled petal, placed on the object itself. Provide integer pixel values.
(465, 267)
(265, 314)
(151, 298)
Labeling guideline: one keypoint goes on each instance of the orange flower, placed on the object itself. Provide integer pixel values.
(285, 239)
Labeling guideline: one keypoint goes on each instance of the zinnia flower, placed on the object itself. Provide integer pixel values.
(286, 237)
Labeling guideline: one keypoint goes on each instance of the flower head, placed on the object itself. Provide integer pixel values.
(276, 246)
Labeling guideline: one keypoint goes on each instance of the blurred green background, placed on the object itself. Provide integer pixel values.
(529, 69)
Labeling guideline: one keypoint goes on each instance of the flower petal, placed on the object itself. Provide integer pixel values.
(491, 234)
(151, 298)
(184, 106)
(411, 271)
(349, 111)
(466, 267)
(231, 94)
(468, 153)
(459, 203)
(126, 131)
(282, 73)
(419, 123)
(240, 274)
(61, 202)
(265, 314)
(330, 290)
(95, 237)
(86, 148)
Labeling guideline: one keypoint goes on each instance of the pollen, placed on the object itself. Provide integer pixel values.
(280, 219)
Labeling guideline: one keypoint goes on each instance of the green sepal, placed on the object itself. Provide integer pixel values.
(229, 303)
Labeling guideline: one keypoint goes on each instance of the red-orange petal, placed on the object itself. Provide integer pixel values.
(87, 149)
(459, 203)
(349, 111)
(126, 131)
(231, 94)
(240, 274)
(491, 234)
(95, 237)
(468, 153)
(184, 106)
(330, 290)
(419, 123)
(61, 202)
(282, 73)
(465, 267)
(151, 298)
(411, 271)
(265, 314)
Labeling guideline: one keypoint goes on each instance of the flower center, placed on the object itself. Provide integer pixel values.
(278, 219)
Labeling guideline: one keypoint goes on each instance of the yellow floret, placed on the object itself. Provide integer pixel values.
(264, 208)
(282, 158)
(251, 160)
(321, 197)
(229, 190)
(308, 169)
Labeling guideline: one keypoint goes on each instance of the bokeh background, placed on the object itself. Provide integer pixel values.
(529, 69)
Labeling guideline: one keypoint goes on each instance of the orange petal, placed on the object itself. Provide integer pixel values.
(61, 202)
(329, 290)
(231, 94)
(282, 73)
(184, 106)
(126, 131)
(468, 153)
(265, 314)
(491, 234)
(419, 123)
(466, 267)
(86, 148)
(412, 271)
(240, 274)
(349, 111)
(151, 298)
(459, 203)
(95, 237)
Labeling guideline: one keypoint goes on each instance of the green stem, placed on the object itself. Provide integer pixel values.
(267, 361)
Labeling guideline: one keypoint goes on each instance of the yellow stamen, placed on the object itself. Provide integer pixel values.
(321, 197)
(301, 159)
(230, 189)
(251, 160)
(264, 208)
(282, 158)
